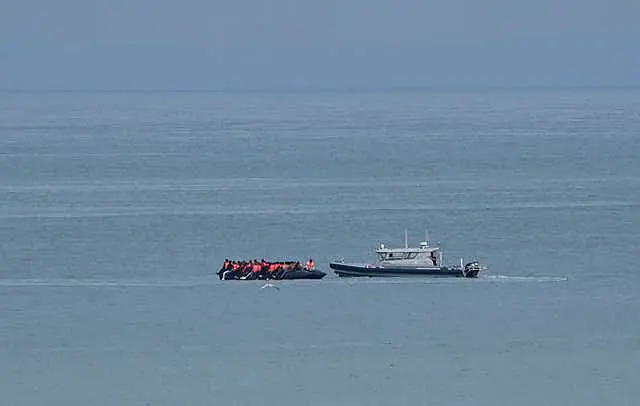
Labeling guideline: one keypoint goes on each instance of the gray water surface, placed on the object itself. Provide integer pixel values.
(116, 209)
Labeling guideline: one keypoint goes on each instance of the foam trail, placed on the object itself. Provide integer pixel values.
(515, 278)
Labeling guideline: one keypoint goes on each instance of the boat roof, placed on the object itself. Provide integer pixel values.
(424, 247)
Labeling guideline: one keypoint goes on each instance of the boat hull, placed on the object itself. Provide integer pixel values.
(290, 275)
(354, 270)
(304, 275)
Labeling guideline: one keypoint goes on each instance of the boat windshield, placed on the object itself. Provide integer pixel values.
(396, 256)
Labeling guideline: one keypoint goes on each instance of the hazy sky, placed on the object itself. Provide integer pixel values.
(212, 44)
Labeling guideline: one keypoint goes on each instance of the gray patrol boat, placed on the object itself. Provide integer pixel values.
(424, 260)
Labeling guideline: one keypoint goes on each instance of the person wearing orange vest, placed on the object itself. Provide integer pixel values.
(310, 264)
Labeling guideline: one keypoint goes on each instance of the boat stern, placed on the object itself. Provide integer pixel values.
(472, 269)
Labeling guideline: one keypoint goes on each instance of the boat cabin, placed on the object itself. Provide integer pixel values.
(424, 255)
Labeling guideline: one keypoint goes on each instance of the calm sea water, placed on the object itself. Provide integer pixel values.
(116, 209)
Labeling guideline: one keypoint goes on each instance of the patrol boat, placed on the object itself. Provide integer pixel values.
(424, 260)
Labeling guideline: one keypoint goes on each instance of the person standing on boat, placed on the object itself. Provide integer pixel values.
(310, 265)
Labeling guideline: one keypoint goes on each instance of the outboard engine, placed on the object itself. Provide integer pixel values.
(471, 269)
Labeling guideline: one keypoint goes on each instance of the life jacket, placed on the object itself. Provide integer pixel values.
(257, 267)
(310, 265)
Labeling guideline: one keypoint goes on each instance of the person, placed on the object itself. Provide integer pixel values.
(273, 270)
(310, 265)
(224, 268)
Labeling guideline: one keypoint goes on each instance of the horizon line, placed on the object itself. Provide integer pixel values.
(286, 89)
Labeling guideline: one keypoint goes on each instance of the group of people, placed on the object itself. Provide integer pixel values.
(261, 269)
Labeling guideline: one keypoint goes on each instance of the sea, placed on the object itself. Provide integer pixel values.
(117, 209)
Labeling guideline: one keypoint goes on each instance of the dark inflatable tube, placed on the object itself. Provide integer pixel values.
(304, 274)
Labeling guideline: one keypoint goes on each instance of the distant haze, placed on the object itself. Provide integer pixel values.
(247, 44)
